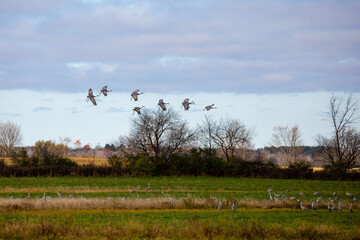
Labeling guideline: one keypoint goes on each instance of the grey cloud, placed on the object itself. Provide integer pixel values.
(170, 46)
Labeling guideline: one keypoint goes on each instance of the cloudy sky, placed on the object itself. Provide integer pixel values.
(265, 63)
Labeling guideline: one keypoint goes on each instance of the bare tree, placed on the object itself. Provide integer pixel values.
(10, 136)
(341, 151)
(158, 134)
(205, 132)
(288, 141)
(230, 135)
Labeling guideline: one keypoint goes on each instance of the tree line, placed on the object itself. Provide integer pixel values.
(161, 143)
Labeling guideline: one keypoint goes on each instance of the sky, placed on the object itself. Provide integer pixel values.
(266, 63)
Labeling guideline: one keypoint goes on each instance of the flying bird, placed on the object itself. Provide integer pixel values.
(162, 104)
(91, 96)
(137, 109)
(105, 91)
(207, 108)
(186, 103)
(135, 94)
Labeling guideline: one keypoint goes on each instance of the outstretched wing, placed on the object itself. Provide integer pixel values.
(93, 100)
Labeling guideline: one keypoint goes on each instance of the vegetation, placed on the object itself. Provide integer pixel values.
(99, 212)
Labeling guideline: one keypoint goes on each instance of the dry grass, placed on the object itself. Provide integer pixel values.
(149, 203)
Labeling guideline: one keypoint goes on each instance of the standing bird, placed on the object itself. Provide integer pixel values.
(350, 208)
(28, 196)
(233, 206)
(91, 96)
(137, 109)
(313, 206)
(340, 206)
(302, 207)
(220, 206)
(135, 94)
(316, 193)
(186, 103)
(162, 104)
(59, 194)
(105, 91)
(271, 197)
(207, 108)
(148, 187)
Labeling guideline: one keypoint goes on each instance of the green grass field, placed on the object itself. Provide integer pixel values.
(93, 217)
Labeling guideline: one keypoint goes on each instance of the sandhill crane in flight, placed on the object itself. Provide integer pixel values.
(137, 109)
(91, 96)
(135, 94)
(162, 104)
(186, 103)
(105, 91)
(207, 108)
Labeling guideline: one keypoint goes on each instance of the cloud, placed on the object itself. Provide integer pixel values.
(171, 46)
(41, 109)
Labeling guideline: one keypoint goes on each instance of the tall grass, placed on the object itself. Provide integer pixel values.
(150, 229)
(7, 205)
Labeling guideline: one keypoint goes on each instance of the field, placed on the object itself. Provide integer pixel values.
(104, 208)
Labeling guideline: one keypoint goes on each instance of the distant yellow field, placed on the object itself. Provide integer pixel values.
(94, 161)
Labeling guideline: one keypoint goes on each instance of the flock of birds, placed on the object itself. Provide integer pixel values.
(331, 202)
(273, 197)
(135, 96)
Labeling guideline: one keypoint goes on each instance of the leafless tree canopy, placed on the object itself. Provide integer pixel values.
(342, 149)
(157, 134)
(10, 136)
(288, 140)
(228, 135)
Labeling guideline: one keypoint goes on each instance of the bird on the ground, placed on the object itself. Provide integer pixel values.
(45, 197)
(316, 193)
(287, 190)
(270, 190)
(105, 91)
(350, 208)
(59, 194)
(233, 206)
(132, 191)
(349, 194)
(207, 108)
(292, 198)
(340, 206)
(72, 195)
(137, 109)
(28, 196)
(186, 103)
(91, 96)
(313, 206)
(135, 94)
(220, 205)
(335, 193)
(302, 207)
(148, 187)
(271, 197)
(301, 194)
(337, 198)
(161, 103)
(355, 199)
(319, 199)
(331, 208)
(155, 191)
